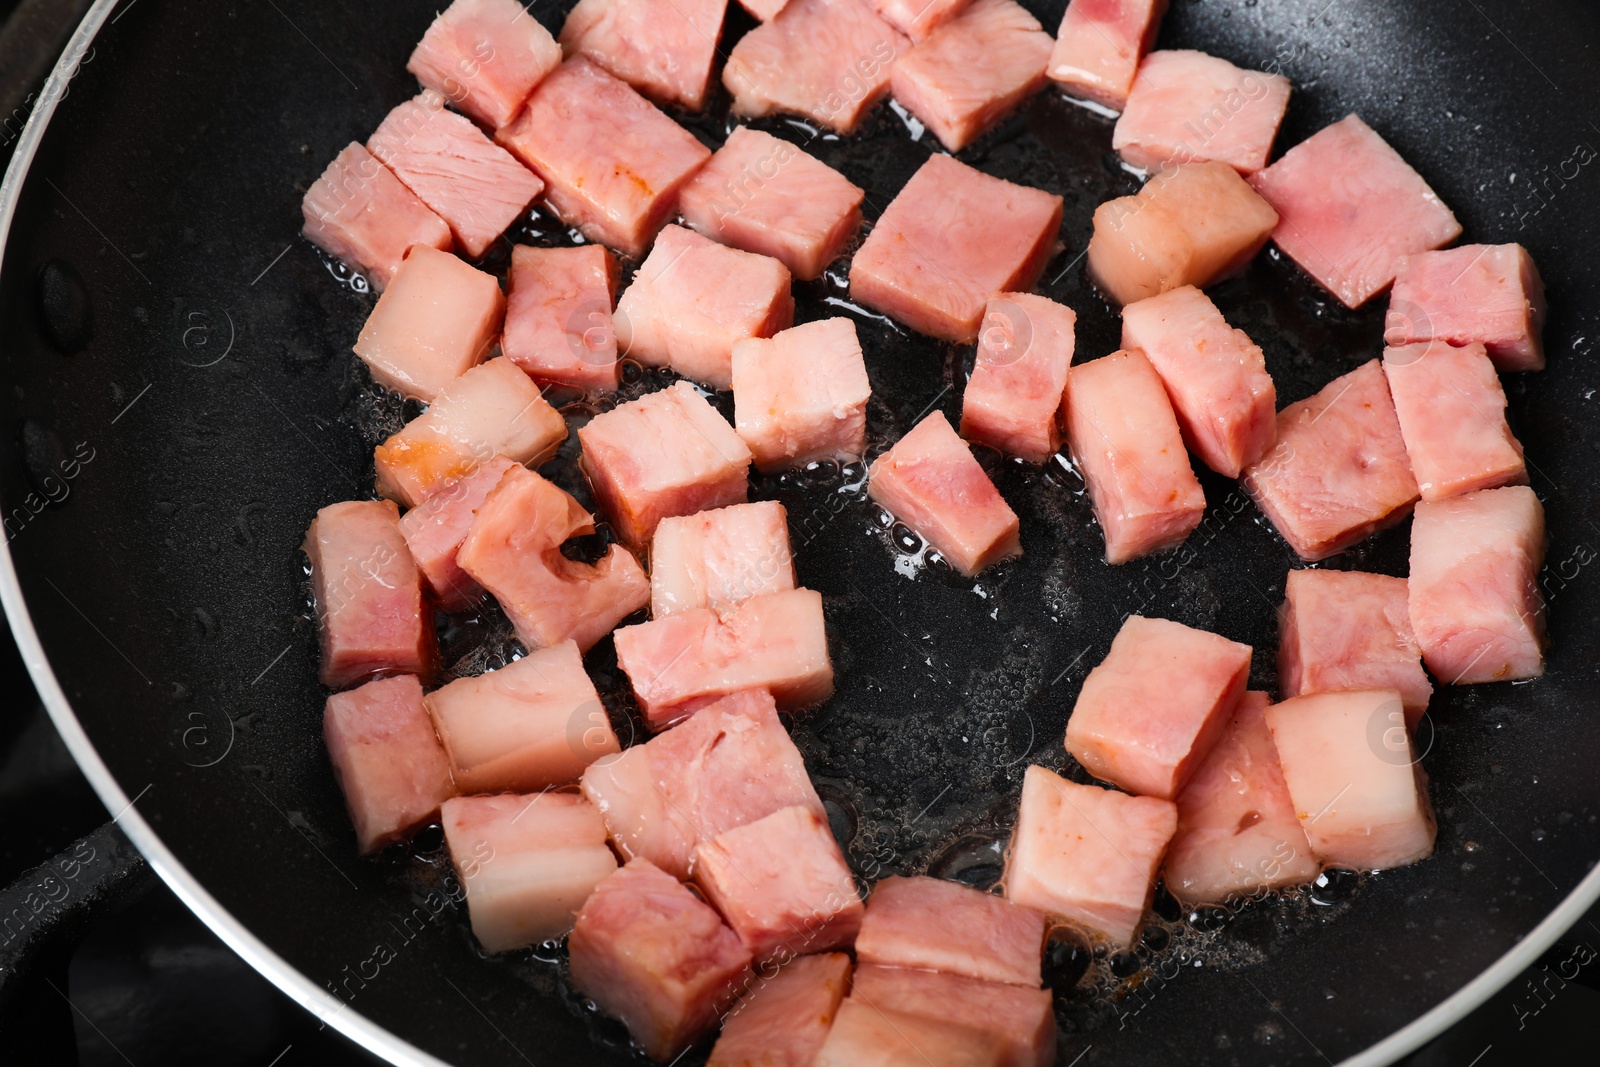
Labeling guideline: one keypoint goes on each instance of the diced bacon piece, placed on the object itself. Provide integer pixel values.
(1452, 412)
(930, 481)
(693, 299)
(1491, 294)
(864, 1035)
(666, 453)
(1021, 1021)
(389, 764)
(946, 926)
(783, 1021)
(527, 863)
(827, 60)
(558, 315)
(1150, 712)
(368, 594)
(651, 953)
(613, 162)
(1215, 376)
(1475, 602)
(663, 50)
(1124, 437)
(468, 180)
(514, 551)
(491, 410)
(681, 662)
(535, 723)
(719, 559)
(729, 764)
(1237, 830)
(801, 396)
(358, 211)
(435, 528)
(782, 884)
(1339, 470)
(1087, 855)
(918, 19)
(1100, 45)
(762, 194)
(1191, 224)
(1015, 392)
(1342, 630)
(973, 71)
(485, 57)
(950, 239)
(1187, 107)
(437, 319)
(1352, 210)
(1352, 772)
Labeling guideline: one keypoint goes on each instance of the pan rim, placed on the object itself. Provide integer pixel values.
(330, 1010)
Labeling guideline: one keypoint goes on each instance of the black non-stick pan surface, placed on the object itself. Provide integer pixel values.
(179, 381)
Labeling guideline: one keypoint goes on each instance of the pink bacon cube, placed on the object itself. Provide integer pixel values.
(368, 594)
(358, 211)
(801, 396)
(528, 863)
(784, 1019)
(1150, 712)
(1188, 107)
(485, 57)
(1086, 855)
(663, 50)
(435, 321)
(389, 764)
(682, 662)
(470, 182)
(729, 764)
(827, 60)
(1099, 47)
(1339, 470)
(782, 884)
(651, 953)
(667, 453)
(719, 559)
(491, 410)
(1362, 805)
(762, 194)
(1342, 630)
(1019, 1020)
(935, 925)
(918, 19)
(1191, 224)
(612, 161)
(763, 10)
(1237, 830)
(514, 551)
(693, 299)
(435, 528)
(1475, 602)
(865, 1035)
(1018, 381)
(1352, 210)
(1452, 412)
(973, 71)
(535, 723)
(558, 316)
(1489, 294)
(950, 239)
(930, 481)
(1215, 376)
(1125, 439)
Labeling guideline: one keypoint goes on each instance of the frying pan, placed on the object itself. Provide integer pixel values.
(179, 389)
